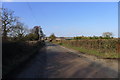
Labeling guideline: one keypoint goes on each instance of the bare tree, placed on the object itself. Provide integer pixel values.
(8, 20)
(37, 30)
(41, 34)
(36, 33)
(107, 34)
(19, 30)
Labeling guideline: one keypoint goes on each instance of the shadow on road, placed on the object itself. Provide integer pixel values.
(55, 62)
(61, 63)
(34, 67)
(51, 45)
(71, 66)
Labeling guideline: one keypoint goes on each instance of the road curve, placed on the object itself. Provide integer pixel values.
(58, 62)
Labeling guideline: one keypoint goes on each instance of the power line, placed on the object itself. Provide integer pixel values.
(31, 10)
(2, 5)
(29, 7)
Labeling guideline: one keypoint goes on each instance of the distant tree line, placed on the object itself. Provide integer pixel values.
(105, 35)
(13, 29)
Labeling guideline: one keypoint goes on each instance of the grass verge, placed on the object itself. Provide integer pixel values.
(99, 54)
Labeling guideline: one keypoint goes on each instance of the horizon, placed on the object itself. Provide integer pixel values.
(66, 19)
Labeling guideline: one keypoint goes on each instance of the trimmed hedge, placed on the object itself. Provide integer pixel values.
(14, 53)
(101, 45)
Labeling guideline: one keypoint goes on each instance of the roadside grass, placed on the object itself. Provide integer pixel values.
(98, 53)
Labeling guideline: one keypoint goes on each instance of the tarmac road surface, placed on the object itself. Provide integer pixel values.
(58, 62)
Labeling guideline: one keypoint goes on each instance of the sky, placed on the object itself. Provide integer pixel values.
(68, 19)
(60, 0)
